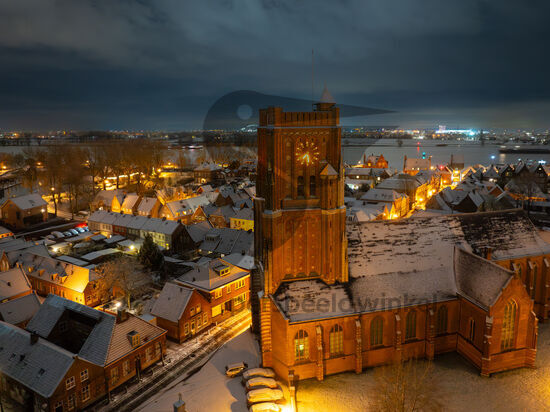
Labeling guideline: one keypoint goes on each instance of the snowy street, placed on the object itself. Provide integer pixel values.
(209, 389)
(181, 360)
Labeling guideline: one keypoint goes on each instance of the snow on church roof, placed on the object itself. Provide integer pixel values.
(415, 261)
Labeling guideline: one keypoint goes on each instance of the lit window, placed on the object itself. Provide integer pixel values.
(240, 299)
(301, 345)
(70, 382)
(85, 393)
(240, 284)
(198, 309)
(216, 310)
(186, 328)
(71, 402)
(126, 368)
(83, 375)
(336, 340)
(204, 318)
(228, 289)
(508, 326)
(193, 311)
(114, 376)
(377, 331)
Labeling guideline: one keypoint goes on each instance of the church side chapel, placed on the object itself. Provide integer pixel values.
(333, 297)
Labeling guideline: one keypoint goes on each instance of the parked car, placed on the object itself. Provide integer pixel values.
(235, 369)
(265, 372)
(67, 234)
(73, 231)
(57, 234)
(265, 407)
(260, 381)
(264, 395)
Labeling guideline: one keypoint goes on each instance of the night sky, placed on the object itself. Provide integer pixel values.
(159, 64)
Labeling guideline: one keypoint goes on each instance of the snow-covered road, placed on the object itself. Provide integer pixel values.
(209, 389)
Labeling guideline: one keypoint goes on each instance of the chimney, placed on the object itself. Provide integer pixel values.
(121, 315)
(179, 405)
(34, 338)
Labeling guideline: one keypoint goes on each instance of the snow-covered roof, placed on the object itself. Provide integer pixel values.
(130, 201)
(13, 282)
(207, 278)
(29, 201)
(382, 195)
(40, 366)
(96, 345)
(19, 310)
(419, 260)
(240, 260)
(172, 302)
(146, 205)
(479, 280)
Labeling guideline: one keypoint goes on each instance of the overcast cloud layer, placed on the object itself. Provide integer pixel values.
(159, 64)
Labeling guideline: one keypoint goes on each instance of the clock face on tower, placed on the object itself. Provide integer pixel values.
(307, 152)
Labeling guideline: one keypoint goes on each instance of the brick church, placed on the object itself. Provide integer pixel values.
(334, 297)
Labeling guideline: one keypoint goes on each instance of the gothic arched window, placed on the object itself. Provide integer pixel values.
(300, 186)
(377, 331)
(508, 326)
(410, 325)
(301, 345)
(442, 320)
(336, 340)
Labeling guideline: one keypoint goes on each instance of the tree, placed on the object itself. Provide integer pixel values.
(406, 386)
(122, 275)
(150, 255)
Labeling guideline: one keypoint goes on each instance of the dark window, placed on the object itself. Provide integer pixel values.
(301, 186)
(472, 331)
(442, 320)
(410, 325)
(312, 186)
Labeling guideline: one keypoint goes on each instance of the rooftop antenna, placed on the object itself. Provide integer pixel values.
(312, 88)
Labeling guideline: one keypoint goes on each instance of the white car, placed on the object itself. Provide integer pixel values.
(235, 369)
(260, 381)
(265, 372)
(265, 407)
(264, 395)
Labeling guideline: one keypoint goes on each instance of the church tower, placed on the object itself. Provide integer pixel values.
(299, 209)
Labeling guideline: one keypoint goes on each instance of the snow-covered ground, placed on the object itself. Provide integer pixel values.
(460, 386)
(209, 389)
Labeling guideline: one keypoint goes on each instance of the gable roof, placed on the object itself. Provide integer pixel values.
(206, 278)
(120, 345)
(172, 302)
(40, 367)
(13, 282)
(146, 205)
(96, 345)
(19, 310)
(479, 280)
(29, 201)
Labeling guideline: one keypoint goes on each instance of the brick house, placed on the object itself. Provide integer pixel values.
(22, 211)
(225, 286)
(182, 311)
(70, 356)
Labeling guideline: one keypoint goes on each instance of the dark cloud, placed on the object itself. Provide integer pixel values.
(160, 64)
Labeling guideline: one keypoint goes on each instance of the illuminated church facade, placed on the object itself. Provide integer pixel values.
(335, 297)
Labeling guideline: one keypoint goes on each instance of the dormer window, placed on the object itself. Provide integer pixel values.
(134, 338)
